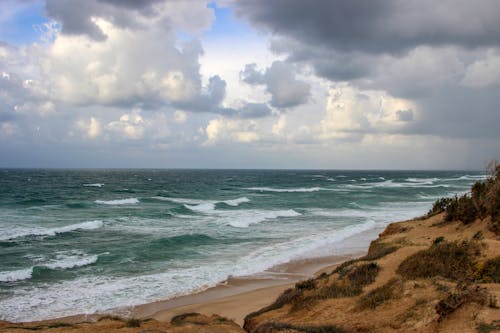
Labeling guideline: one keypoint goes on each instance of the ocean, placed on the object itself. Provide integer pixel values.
(87, 241)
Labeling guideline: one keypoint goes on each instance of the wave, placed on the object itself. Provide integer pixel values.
(202, 208)
(272, 189)
(129, 201)
(19, 275)
(248, 217)
(64, 262)
(310, 246)
(69, 262)
(242, 218)
(422, 180)
(89, 225)
(236, 202)
(203, 205)
(473, 177)
(392, 184)
(94, 185)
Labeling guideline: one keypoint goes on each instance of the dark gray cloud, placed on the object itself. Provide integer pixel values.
(404, 115)
(248, 110)
(76, 16)
(378, 26)
(419, 50)
(142, 5)
(280, 81)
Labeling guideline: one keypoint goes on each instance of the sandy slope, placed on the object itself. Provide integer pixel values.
(412, 306)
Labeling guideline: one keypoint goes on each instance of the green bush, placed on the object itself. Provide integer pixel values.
(439, 206)
(483, 201)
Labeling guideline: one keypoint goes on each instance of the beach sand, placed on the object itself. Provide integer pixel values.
(237, 297)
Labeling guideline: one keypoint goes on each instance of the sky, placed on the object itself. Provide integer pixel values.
(321, 84)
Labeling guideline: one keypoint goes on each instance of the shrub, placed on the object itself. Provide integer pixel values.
(273, 327)
(464, 294)
(452, 260)
(438, 240)
(364, 274)
(487, 328)
(478, 235)
(133, 322)
(180, 319)
(378, 250)
(439, 206)
(286, 297)
(461, 209)
(382, 294)
(483, 201)
(306, 284)
(338, 290)
(490, 272)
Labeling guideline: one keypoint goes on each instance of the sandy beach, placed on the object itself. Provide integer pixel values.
(237, 297)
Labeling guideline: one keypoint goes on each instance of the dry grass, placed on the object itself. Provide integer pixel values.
(452, 260)
(288, 296)
(490, 272)
(380, 295)
(181, 319)
(277, 327)
(464, 294)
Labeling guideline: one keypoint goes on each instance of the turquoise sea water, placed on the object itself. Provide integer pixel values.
(82, 241)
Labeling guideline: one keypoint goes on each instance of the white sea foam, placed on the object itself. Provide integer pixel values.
(202, 208)
(91, 294)
(236, 202)
(128, 201)
(272, 189)
(473, 177)
(24, 232)
(62, 261)
(204, 204)
(241, 218)
(94, 185)
(71, 261)
(422, 180)
(392, 184)
(312, 245)
(18, 275)
(245, 218)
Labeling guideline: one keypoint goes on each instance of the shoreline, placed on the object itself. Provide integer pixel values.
(245, 293)
(236, 297)
(233, 298)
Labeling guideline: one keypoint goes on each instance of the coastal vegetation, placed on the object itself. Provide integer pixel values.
(438, 273)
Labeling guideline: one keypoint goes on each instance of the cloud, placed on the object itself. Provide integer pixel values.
(130, 125)
(221, 130)
(484, 71)
(91, 128)
(378, 26)
(351, 114)
(432, 55)
(81, 18)
(280, 81)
